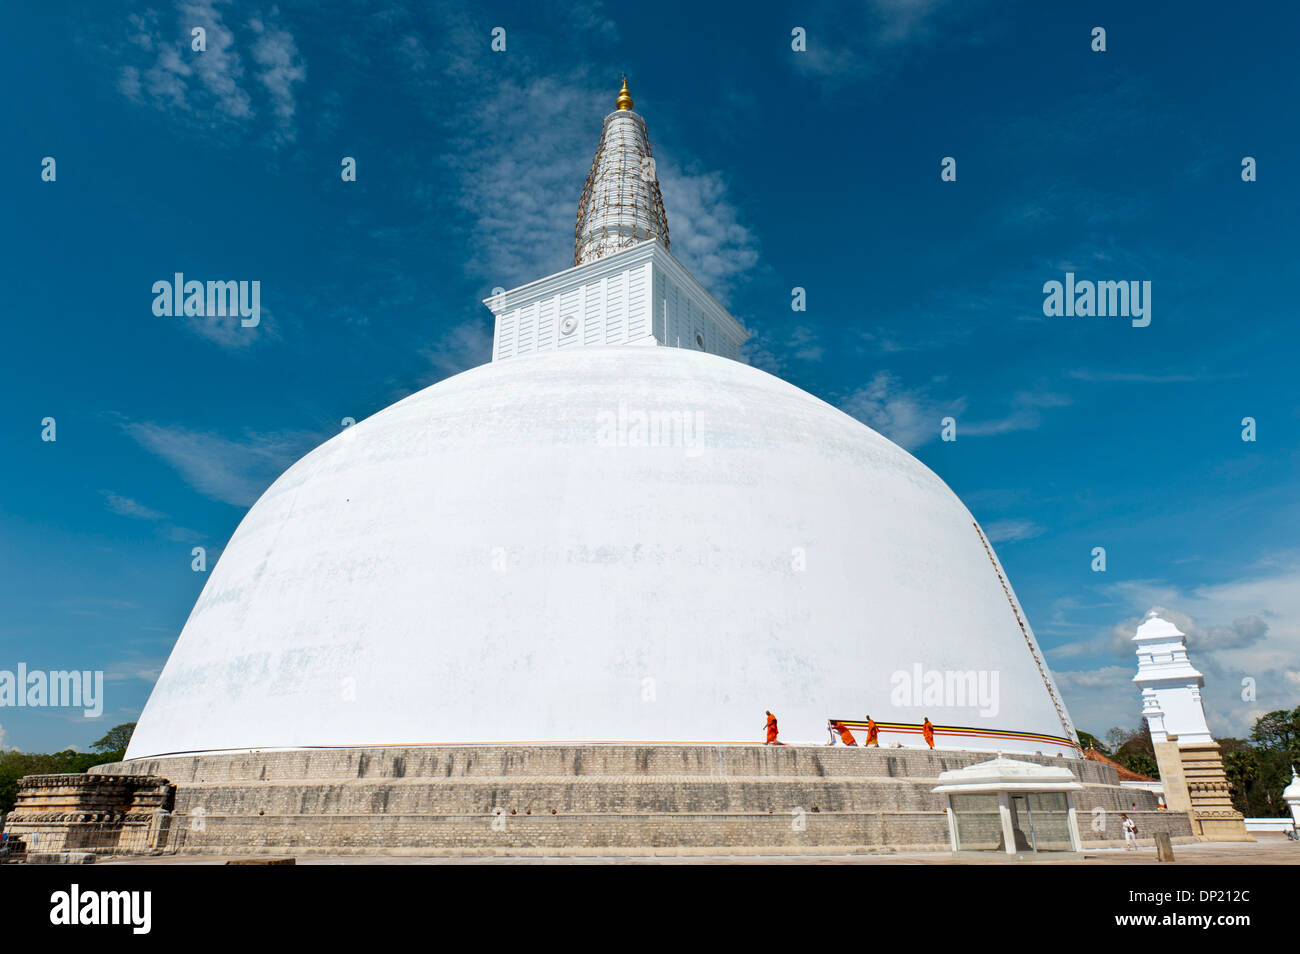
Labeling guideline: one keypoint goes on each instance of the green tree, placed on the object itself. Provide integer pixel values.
(14, 765)
(1133, 749)
(116, 739)
(1088, 740)
(1279, 731)
(1139, 762)
(1276, 738)
(1241, 766)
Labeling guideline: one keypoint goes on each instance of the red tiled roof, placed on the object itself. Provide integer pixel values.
(1125, 775)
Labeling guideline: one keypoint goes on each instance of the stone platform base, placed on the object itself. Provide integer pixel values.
(556, 799)
(108, 813)
(1194, 781)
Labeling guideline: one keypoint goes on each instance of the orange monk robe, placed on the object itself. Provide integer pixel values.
(771, 728)
(927, 730)
(845, 735)
(873, 732)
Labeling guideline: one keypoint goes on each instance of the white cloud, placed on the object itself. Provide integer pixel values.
(1099, 699)
(277, 54)
(219, 68)
(228, 331)
(208, 87)
(705, 227)
(1140, 377)
(127, 507)
(907, 416)
(468, 345)
(135, 670)
(520, 170)
(521, 167)
(853, 42)
(911, 416)
(1246, 628)
(1010, 531)
(232, 471)
(769, 351)
(1024, 415)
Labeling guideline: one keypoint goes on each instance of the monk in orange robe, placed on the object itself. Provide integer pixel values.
(927, 730)
(845, 735)
(771, 730)
(873, 732)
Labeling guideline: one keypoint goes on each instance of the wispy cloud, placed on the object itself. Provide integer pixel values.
(1139, 377)
(516, 170)
(912, 416)
(1242, 629)
(521, 143)
(276, 54)
(228, 331)
(210, 88)
(127, 507)
(852, 42)
(234, 471)
(521, 168)
(769, 351)
(1011, 531)
(707, 232)
(1025, 415)
(907, 416)
(135, 670)
(467, 345)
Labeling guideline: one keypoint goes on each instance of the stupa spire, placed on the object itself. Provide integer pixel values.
(621, 204)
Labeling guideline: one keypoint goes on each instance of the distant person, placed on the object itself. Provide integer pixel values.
(927, 730)
(771, 730)
(845, 735)
(873, 732)
(1130, 833)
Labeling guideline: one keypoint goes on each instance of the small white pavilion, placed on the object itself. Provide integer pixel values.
(1012, 806)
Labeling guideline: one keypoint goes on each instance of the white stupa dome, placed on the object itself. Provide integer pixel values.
(512, 555)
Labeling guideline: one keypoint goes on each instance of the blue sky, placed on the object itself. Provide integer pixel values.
(817, 169)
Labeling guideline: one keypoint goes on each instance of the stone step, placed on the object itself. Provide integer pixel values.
(616, 760)
(572, 798)
(538, 794)
(287, 834)
(828, 832)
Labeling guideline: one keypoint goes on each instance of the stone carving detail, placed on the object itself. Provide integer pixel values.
(103, 813)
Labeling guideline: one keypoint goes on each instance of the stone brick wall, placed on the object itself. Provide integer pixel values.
(575, 798)
(108, 813)
(496, 761)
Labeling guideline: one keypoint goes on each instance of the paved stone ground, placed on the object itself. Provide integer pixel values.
(1269, 849)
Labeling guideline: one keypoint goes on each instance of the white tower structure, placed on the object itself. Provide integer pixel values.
(620, 205)
(625, 286)
(611, 532)
(1191, 766)
(1171, 687)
